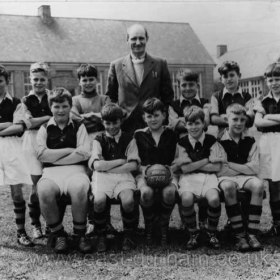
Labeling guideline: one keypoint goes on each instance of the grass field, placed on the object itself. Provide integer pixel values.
(171, 262)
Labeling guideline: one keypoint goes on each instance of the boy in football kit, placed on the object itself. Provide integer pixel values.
(240, 172)
(114, 157)
(13, 171)
(188, 83)
(199, 158)
(64, 148)
(231, 93)
(156, 145)
(36, 109)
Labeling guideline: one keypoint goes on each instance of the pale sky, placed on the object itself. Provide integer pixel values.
(239, 24)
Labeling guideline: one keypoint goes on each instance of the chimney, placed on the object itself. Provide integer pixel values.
(221, 50)
(44, 12)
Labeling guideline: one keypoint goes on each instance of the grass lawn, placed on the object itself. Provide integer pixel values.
(171, 262)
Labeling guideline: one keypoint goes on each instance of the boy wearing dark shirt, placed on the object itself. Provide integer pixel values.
(231, 93)
(240, 172)
(156, 145)
(114, 157)
(64, 148)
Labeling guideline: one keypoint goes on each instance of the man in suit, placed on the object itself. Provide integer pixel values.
(136, 77)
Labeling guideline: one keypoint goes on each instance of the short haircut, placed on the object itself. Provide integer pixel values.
(111, 112)
(137, 24)
(88, 70)
(59, 95)
(228, 66)
(153, 104)
(5, 73)
(187, 75)
(237, 109)
(272, 70)
(39, 67)
(194, 113)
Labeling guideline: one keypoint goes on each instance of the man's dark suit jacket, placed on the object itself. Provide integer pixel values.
(122, 87)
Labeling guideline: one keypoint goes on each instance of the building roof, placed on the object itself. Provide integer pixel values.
(253, 61)
(68, 40)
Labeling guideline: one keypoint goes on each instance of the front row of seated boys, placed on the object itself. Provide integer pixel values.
(195, 162)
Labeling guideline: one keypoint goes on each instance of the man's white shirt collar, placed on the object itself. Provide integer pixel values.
(193, 141)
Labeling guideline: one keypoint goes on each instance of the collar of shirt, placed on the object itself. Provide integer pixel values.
(137, 60)
(270, 95)
(31, 92)
(226, 136)
(53, 122)
(7, 95)
(183, 99)
(116, 137)
(239, 91)
(193, 141)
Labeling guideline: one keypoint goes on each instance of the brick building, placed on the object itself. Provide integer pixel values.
(65, 43)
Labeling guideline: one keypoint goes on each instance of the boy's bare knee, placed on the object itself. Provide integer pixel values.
(187, 200)
(229, 189)
(100, 202)
(147, 195)
(168, 194)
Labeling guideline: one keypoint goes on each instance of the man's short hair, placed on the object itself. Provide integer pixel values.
(187, 75)
(88, 70)
(153, 104)
(5, 73)
(59, 95)
(194, 113)
(39, 67)
(111, 112)
(272, 70)
(137, 24)
(237, 109)
(228, 66)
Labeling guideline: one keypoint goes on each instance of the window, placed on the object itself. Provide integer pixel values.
(11, 84)
(26, 83)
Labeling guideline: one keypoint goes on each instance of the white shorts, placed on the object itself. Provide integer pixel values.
(141, 181)
(111, 183)
(29, 144)
(66, 176)
(198, 184)
(240, 180)
(13, 168)
(270, 156)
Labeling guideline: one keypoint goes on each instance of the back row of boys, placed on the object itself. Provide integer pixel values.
(62, 147)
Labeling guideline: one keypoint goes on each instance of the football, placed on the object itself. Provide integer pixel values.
(157, 176)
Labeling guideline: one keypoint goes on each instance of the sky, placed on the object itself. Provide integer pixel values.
(238, 24)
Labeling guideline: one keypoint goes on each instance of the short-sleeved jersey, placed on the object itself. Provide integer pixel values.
(201, 153)
(7, 108)
(180, 105)
(271, 106)
(244, 152)
(238, 152)
(226, 99)
(111, 149)
(36, 107)
(150, 153)
(65, 138)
